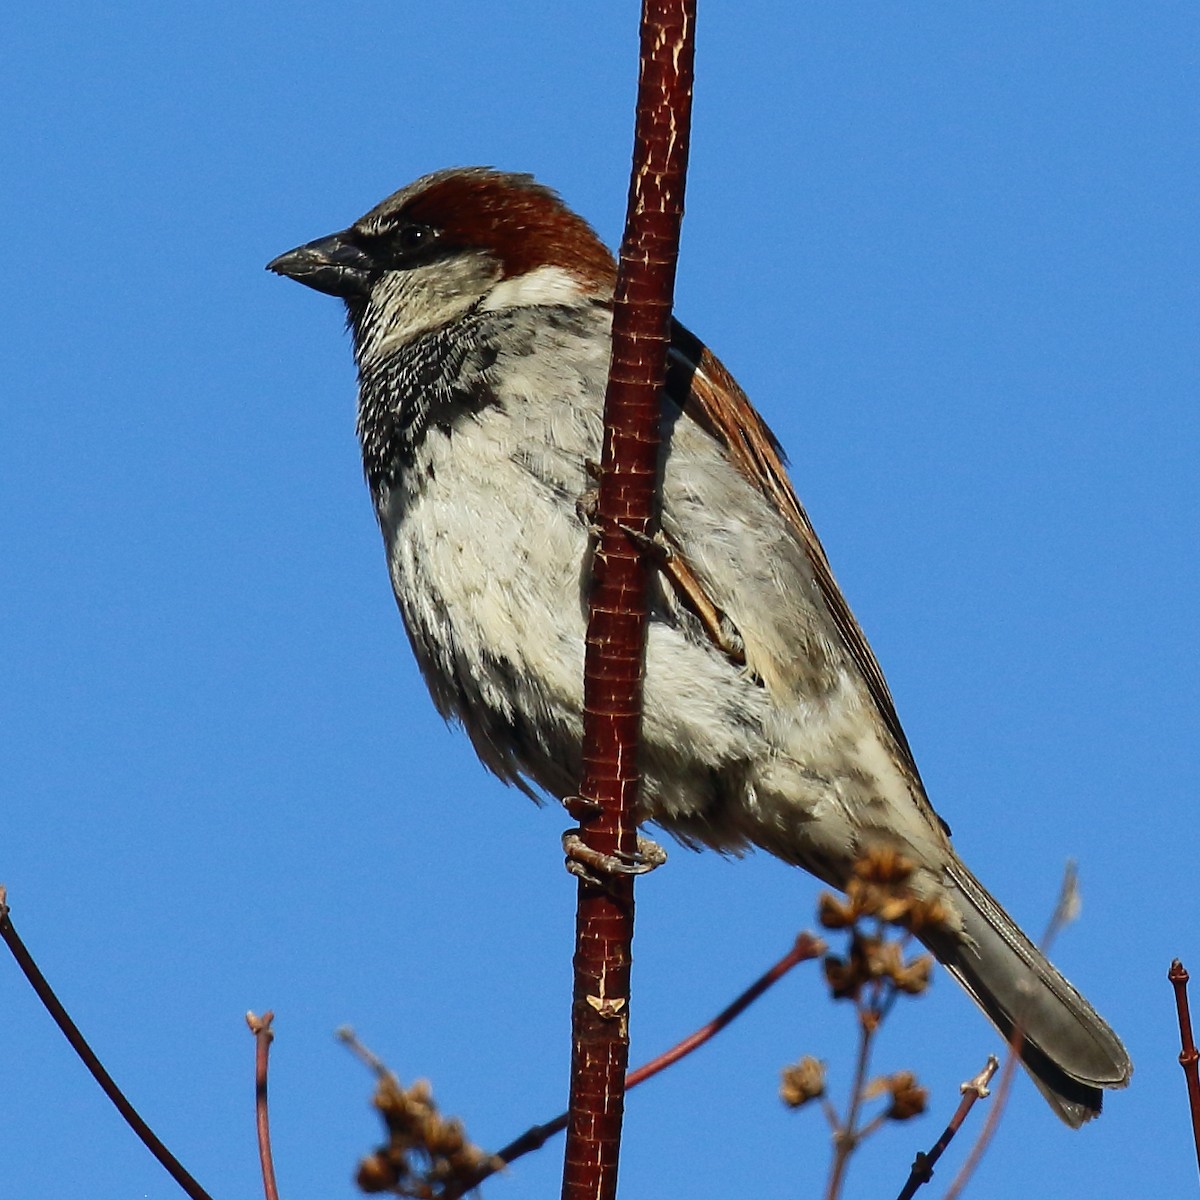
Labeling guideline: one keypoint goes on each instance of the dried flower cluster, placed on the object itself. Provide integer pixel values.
(879, 888)
(908, 1097)
(871, 973)
(871, 959)
(427, 1156)
(802, 1082)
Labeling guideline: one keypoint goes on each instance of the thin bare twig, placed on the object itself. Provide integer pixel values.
(1003, 1088)
(923, 1164)
(873, 974)
(613, 665)
(1188, 1055)
(263, 1037)
(805, 948)
(1065, 911)
(364, 1054)
(847, 1135)
(87, 1056)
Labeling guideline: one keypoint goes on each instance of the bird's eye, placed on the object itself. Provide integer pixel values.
(410, 238)
(401, 246)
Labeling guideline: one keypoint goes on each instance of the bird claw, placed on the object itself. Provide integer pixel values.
(598, 868)
(587, 508)
(654, 545)
(582, 808)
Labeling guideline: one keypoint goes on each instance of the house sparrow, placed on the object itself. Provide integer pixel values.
(480, 309)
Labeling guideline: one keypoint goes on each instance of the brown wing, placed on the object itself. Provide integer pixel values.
(709, 395)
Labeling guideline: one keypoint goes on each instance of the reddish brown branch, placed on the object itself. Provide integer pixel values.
(923, 1164)
(1008, 1073)
(87, 1056)
(617, 620)
(1188, 1055)
(806, 947)
(263, 1037)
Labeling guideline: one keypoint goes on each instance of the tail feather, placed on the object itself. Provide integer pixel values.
(1065, 1044)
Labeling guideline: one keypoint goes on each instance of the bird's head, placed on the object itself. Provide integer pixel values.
(452, 242)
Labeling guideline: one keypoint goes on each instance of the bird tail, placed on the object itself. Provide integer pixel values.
(1065, 1044)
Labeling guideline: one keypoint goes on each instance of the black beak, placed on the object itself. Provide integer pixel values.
(334, 265)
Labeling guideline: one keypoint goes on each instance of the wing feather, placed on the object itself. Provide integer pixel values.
(707, 393)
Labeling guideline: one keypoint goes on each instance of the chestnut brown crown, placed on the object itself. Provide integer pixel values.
(520, 221)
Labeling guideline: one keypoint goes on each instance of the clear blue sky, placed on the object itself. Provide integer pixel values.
(951, 252)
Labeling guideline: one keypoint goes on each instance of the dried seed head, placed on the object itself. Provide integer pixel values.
(908, 1098)
(427, 1156)
(879, 887)
(834, 913)
(913, 977)
(924, 914)
(844, 982)
(802, 1082)
(884, 866)
(376, 1174)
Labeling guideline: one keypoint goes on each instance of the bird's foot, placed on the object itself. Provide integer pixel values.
(599, 869)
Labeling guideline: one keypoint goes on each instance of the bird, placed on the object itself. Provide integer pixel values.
(480, 310)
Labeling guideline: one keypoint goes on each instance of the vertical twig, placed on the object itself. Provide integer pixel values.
(1188, 1055)
(52, 1004)
(263, 1037)
(847, 1135)
(617, 622)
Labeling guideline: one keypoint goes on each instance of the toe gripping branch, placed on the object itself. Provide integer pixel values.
(594, 866)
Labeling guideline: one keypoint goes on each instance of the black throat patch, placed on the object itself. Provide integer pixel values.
(434, 382)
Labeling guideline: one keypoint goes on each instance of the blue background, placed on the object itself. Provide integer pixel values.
(951, 252)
